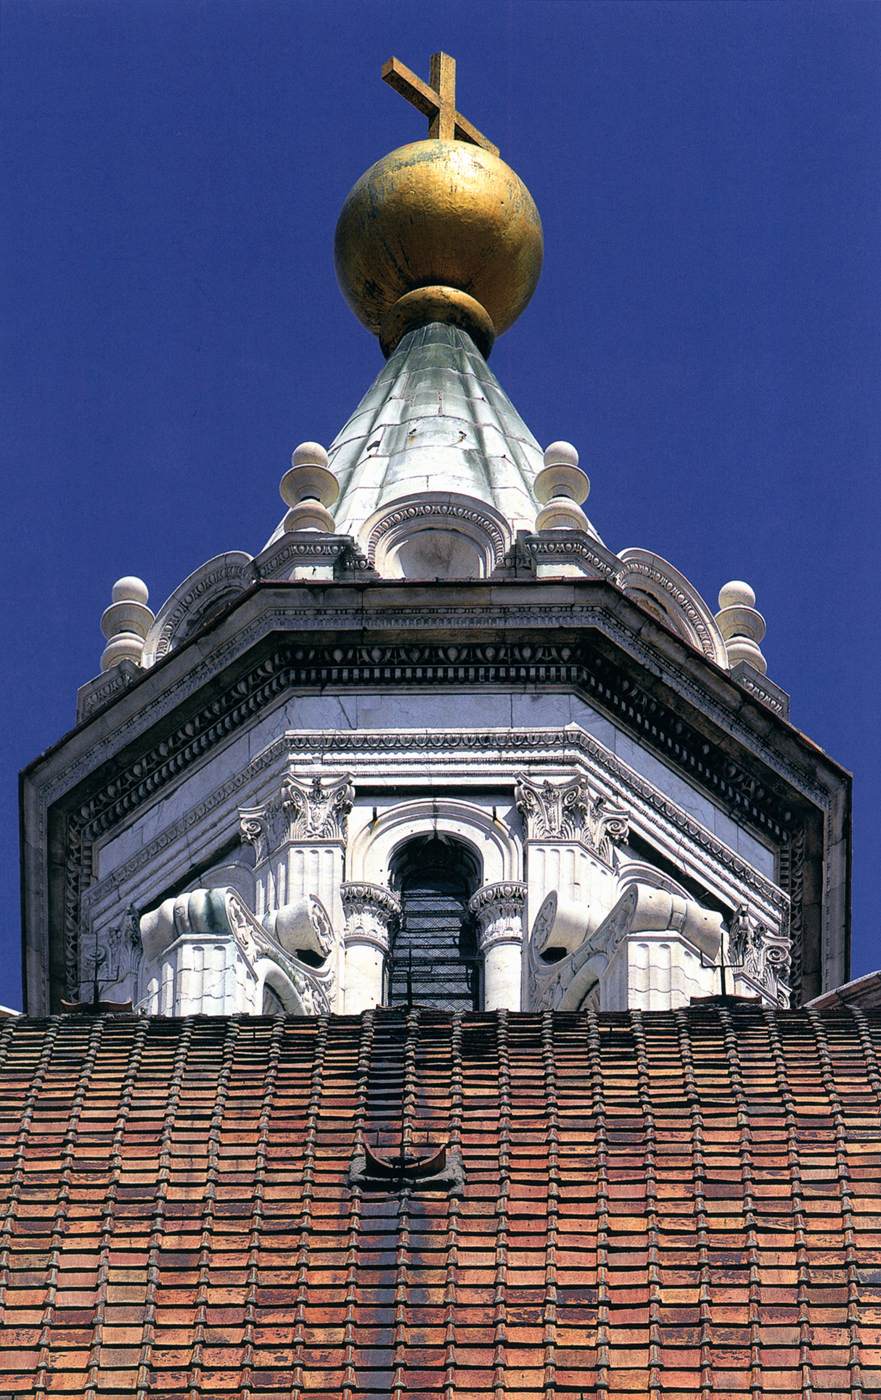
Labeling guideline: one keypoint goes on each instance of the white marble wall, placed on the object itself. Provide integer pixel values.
(390, 786)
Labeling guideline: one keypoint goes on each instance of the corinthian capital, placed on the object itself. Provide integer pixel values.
(498, 911)
(317, 808)
(372, 913)
(553, 811)
(305, 809)
(567, 812)
(760, 955)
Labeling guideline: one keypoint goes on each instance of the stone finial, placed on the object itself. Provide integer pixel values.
(561, 486)
(126, 622)
(742, 627)
(308, 487)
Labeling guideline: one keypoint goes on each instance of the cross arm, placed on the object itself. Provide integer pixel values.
(428, 101)
(406, 82)
(467, 131)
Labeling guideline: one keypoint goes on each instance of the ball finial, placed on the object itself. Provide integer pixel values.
(129, 590)
(309, 454)
(741, 625)
(560, 454)
(736, 594)
(126, 622)
(438, 231)
(308, 487)
(561, 487)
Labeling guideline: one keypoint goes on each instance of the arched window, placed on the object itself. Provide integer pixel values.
(435, 951)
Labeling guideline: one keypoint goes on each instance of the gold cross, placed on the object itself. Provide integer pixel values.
(437, 99)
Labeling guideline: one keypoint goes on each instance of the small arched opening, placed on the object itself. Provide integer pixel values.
(434, 958)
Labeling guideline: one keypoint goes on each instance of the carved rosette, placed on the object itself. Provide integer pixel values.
(567, 812)
(759, 955)
(306, 809)
(372, 914)
(498, 911)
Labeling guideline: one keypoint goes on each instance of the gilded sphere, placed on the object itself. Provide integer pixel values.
(448, 220)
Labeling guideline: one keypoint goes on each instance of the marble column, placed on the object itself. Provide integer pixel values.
(372, 914)
(498, 911)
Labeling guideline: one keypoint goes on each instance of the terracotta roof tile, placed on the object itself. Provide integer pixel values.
(665, 1205)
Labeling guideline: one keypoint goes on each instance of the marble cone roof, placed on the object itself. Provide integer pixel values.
(678, 1204)
(435, 419)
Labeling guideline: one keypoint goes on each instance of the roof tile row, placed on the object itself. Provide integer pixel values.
(669, 1205)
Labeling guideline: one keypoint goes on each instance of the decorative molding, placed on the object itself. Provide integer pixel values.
(546, 661)
(677, 600)
(553, 546)
(566, 812)
(791, 873)
(445, 510)
(97, 693)
(762, 688)
(339, 552)
(361, 664)
(215, 582)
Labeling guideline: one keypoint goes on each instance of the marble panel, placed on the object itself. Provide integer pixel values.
(429, 711)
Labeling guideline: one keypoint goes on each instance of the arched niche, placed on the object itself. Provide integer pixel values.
(436, 535)
(371, 852)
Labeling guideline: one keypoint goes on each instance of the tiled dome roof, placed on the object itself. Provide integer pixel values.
(673, 1203)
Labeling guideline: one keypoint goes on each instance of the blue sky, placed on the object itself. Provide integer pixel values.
(706, 331)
